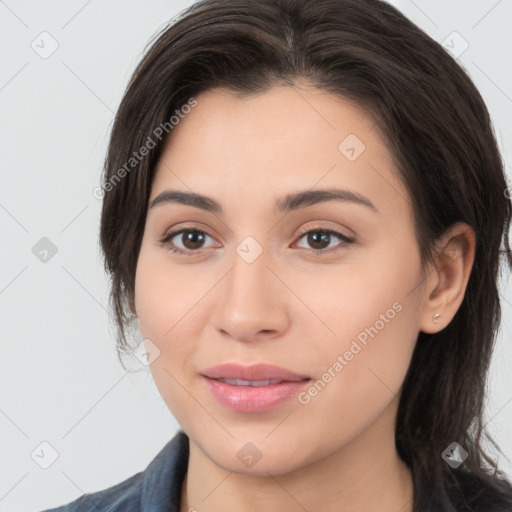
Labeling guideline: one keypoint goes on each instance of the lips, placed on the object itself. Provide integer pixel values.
(253, 389)
(242, 382)
(255, 373)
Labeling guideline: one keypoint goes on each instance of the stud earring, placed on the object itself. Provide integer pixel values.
(436, 316)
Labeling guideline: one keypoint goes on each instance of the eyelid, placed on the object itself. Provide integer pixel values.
(171, 233)
(319, 227)
(344, 243)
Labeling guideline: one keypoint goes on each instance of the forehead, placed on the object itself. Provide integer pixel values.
(273, 143)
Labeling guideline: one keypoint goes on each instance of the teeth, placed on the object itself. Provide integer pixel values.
(242, 382)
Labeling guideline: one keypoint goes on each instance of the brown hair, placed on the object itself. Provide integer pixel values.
(438, 130)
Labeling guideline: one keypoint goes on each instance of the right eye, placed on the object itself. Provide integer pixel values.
(191, 243)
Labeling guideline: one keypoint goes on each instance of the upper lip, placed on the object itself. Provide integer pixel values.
(260, 371)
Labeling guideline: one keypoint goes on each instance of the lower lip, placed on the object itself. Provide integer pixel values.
(254, 398)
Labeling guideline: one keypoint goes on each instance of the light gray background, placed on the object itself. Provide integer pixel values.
(61, 380)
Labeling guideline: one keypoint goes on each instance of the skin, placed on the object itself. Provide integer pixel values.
(291, 306)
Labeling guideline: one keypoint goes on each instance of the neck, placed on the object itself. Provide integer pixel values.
(364, 474)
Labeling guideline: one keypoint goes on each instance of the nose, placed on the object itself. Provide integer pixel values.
(252, 303)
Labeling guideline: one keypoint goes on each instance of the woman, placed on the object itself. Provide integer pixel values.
(304, 205)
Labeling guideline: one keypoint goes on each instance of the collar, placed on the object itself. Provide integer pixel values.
(163, 477)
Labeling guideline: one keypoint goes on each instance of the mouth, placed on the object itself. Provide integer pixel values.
(252, 383)
(253, 389)
(260, 372)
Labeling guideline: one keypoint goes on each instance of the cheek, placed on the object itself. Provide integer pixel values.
(357, 380)
(162, 297)
(374, 338)
(374, 316)
(347, 301)
(167, 307)
(162, 308)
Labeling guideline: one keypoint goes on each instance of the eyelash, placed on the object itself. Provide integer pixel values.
(346, 241)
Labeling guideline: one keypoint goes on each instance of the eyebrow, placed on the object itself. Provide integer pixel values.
(289, 203)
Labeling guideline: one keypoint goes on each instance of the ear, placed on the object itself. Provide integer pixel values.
(446, 283)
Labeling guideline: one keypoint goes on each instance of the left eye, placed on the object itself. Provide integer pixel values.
(318, 238)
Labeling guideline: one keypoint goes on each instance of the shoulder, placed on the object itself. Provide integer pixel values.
(122, 496)
(155, 489)
(480, 493)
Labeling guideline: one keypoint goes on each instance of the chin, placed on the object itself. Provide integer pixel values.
(258, 457)
(275, 465)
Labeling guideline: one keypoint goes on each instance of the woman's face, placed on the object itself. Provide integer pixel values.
(263, 282)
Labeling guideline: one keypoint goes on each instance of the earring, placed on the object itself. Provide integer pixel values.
(436, 316)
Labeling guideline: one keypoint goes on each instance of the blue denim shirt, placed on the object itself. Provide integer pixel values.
(156, 489)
